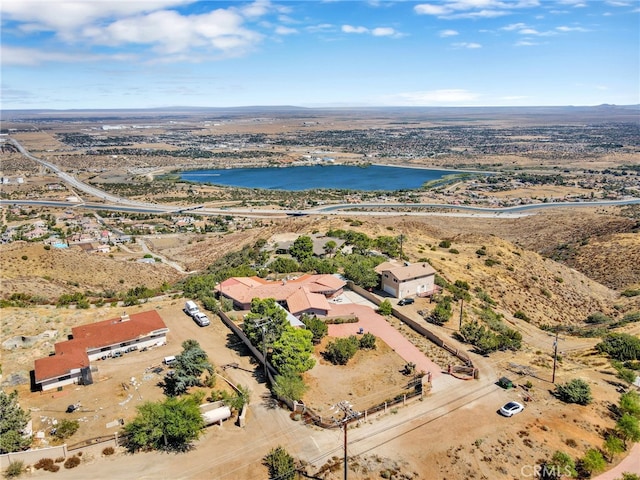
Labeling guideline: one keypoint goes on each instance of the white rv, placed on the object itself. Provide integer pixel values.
(191, 308)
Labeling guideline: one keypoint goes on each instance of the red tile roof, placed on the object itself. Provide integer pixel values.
(72, 354)
(245, 289)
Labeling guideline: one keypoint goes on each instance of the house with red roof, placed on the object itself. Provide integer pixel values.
(304, 294)
(71, 362)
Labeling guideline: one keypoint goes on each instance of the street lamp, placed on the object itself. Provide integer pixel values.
(349, 415)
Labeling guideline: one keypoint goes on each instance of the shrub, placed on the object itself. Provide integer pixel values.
(24, 257)
(455, 251)
(574, 391)
(43, 463)
(490, 262)
(445, 244)
(597, 318)
(72, 462)
(108, 451)
(66, 428)
(592, 462)
(620, 346)
(368, 341)
(14, 469)
(340, 351)
(481, 252)
(385, 307)
(280, 463)
(522, 316)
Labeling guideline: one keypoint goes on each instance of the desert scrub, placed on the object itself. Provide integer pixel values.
(72, 462)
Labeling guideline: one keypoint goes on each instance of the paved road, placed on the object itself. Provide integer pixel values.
(121, 203)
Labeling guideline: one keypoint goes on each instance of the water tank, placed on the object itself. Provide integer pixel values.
(216, 415)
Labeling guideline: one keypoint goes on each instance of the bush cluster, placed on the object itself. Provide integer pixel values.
(46, 464)
(340, 351)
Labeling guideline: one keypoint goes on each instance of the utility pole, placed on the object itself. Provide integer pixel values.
(555, 358)
(349, 415)
(263, 325)
(461, 305)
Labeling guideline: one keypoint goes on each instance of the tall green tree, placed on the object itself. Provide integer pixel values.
(302, 248)
(13, 421)
(592, 462)
(630, 403)
(317, 327)
(281, 465)
(265, 313)
(292, 352)
(628, 428)
(290, 386)
(169, 425)
(188, 369)
(612, 446)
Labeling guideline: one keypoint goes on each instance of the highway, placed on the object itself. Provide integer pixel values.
(112, 202)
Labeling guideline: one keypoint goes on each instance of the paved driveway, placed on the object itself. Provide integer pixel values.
(371, 322)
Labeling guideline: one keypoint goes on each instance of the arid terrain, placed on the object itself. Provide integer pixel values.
(555, 266)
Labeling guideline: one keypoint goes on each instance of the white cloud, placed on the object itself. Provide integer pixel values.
(467, 45)
(66, 16)
(352, 29)
(514, 26)
(322, 27)
(571, 29)
(281, 30)
(150, 23)
(31, 56)
(526, 43)
(384, 32)
(376, 32)
(448, 33)
(445, 96)
(473, 8)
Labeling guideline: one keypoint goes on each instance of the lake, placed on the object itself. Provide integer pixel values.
(341, 177)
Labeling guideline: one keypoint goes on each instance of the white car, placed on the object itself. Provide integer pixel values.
(511, 408)
(201, 319)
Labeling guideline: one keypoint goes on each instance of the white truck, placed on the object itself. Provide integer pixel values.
(190, 308)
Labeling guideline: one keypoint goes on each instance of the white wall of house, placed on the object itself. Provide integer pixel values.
(52, 383)
(408, 288)
(155, 341)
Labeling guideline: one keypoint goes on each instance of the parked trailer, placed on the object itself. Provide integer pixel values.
(216, 415)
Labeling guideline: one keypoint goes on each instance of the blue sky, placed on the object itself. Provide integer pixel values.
(160, 53)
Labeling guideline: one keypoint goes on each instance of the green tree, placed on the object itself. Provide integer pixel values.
(341, 350)
(390, 246)
(442, 313)
(368, 341)
(574, 391)
(630, 403)
(620, 346)
(330, 247)
(628, 428)
(13, 421)
(66, 428)
(281, 465)
(189, 367)
(629, 476)
(360, 270)
(592, 462)
(385, 307)
(289, 386)
(612, 446)
(560, 464)
(302, 248)
(284, 265)
(169, 425)
(317, 327)
(292, 352)
(267, 314)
